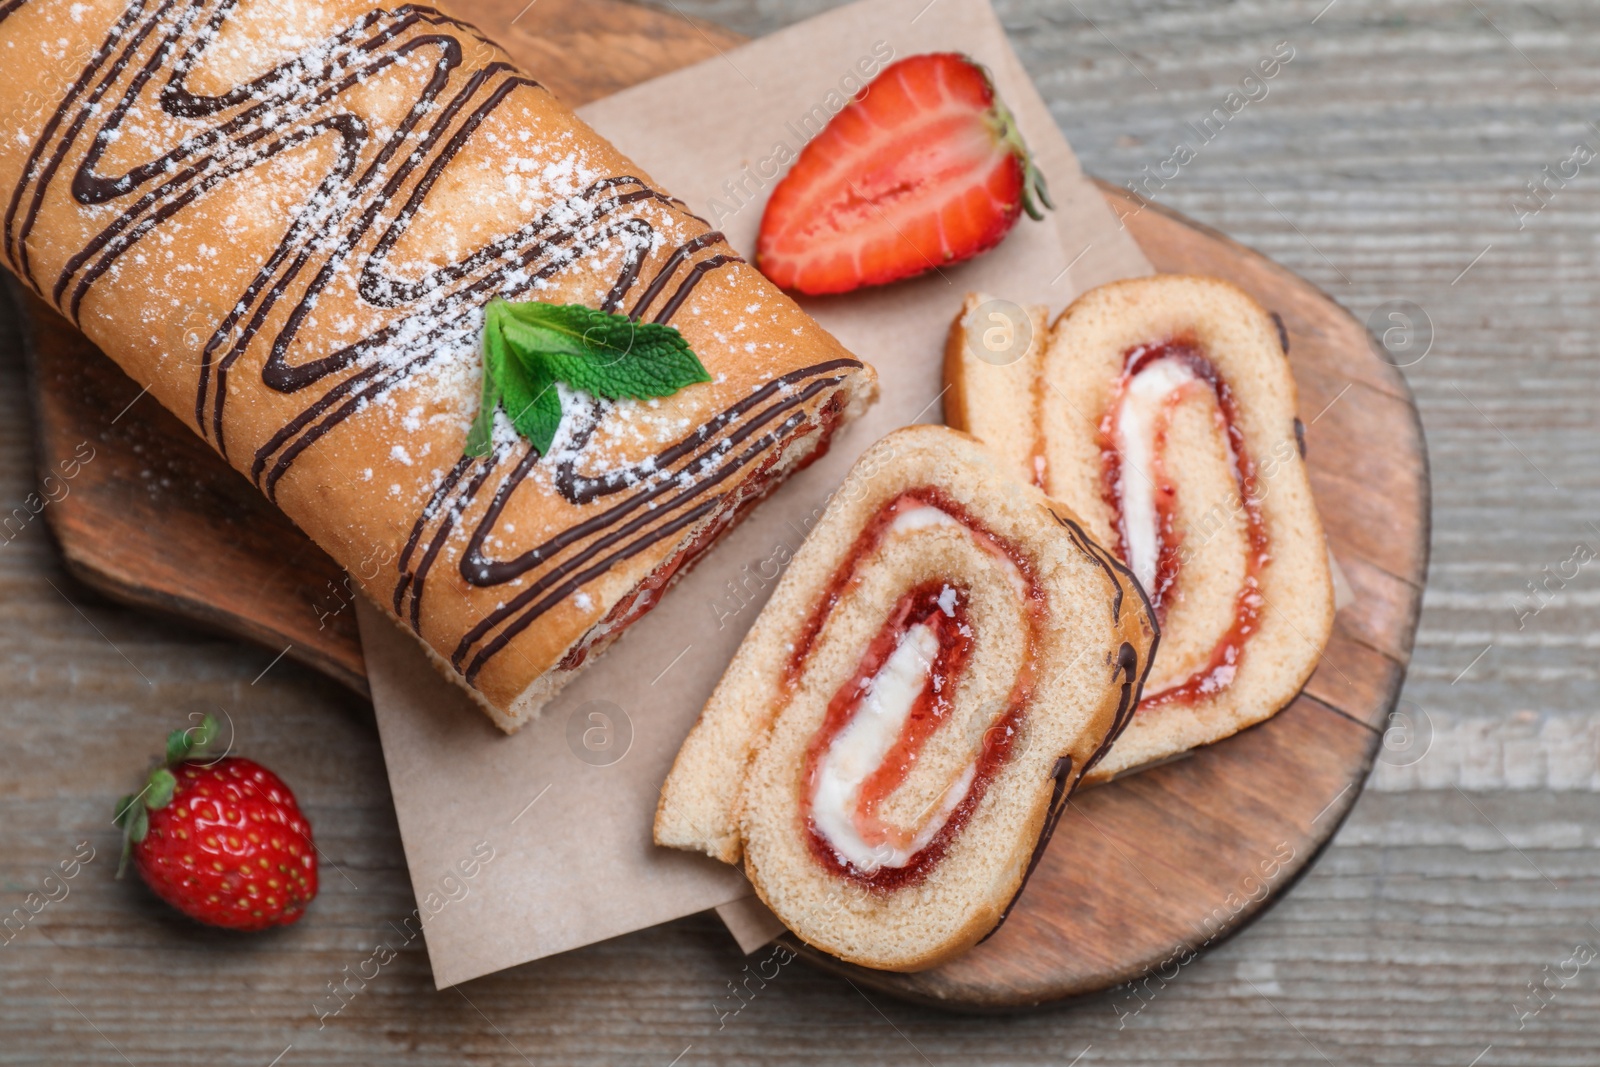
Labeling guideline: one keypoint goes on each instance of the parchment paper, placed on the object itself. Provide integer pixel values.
(566, 804)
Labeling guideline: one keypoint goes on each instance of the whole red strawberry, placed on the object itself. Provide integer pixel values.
(924, 168)
(220, 839)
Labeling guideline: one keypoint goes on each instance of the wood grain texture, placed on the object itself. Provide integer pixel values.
(1387, 152)
(152, 517)
(1087, 921)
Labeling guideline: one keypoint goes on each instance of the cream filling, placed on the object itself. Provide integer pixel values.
(921, 517)
(860, 748)
(1143, 401)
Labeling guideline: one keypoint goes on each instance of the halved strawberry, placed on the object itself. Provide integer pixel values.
(925, 167)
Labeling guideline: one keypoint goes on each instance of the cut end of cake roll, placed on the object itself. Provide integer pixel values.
(788, 446)
(946, 656)
(1166, 418)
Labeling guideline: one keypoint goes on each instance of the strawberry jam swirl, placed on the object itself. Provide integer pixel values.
(1157, 380)
(901, 693)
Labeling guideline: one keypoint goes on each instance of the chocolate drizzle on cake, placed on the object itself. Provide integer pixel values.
(1128, 666)
(366, 198)
(663, 497)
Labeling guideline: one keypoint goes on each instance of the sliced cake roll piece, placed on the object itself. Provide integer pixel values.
(1166, 419)
(945, 658)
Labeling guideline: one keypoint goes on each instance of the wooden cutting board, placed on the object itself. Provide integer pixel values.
(1142, 872)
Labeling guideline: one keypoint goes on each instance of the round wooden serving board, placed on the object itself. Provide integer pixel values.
(1141, 871)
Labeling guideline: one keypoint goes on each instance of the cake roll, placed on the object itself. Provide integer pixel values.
(946, 657)
(1163, 411)
(288, 219)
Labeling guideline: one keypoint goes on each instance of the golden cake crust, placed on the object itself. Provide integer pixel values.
(286, 218)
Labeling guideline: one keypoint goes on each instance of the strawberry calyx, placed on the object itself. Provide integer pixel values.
(1034, 190)
(133, 811)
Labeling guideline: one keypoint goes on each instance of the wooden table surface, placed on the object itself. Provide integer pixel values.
(1386, 163)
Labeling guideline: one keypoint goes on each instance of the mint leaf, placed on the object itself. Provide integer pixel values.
(480, 438)
(529, 347)
(532, 401)
(603, 354)
(653, 367)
